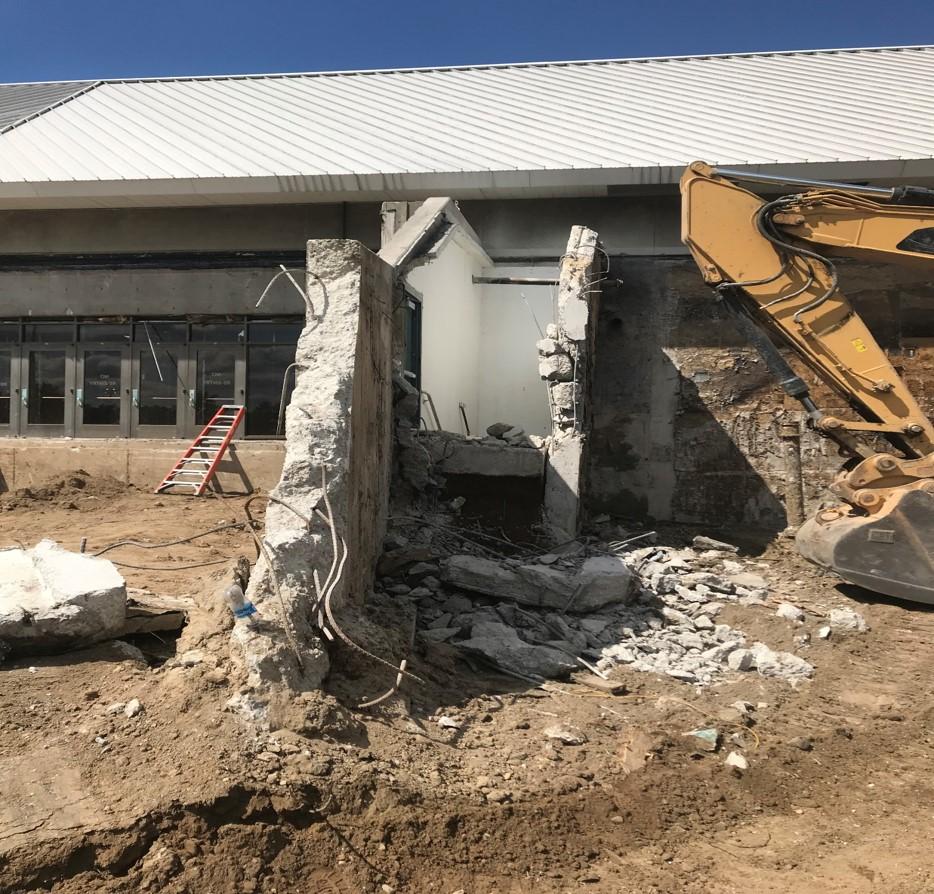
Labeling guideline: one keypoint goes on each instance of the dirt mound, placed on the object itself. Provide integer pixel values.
(61, 492)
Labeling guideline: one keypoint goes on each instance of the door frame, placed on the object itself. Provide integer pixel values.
(190, 427)
(11, 429)
(176, 430)
(122, 429)
(44, 430)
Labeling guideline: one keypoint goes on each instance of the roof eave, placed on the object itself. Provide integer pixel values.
(309, 189)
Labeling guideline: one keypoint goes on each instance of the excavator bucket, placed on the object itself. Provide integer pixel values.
(891, 552)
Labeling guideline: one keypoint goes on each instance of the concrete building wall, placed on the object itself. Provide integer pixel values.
(234, 228)
(151, 293)
(686, 417)
(645, 224)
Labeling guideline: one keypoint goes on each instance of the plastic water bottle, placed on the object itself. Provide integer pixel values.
(242, 608)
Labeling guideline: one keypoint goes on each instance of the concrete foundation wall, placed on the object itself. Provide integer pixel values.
(29, 462)
(686, 417)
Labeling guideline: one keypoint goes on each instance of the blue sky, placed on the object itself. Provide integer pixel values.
(76, 39)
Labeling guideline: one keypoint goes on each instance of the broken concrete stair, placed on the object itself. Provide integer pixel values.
(602, 580)
(52, 599)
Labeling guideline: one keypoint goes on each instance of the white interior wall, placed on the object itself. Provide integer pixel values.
(479, 341)
(510, 387)
(451, 325)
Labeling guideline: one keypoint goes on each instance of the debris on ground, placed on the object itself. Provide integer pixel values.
(596, 603)
(847, 619)
(453, 783)
(790, 612)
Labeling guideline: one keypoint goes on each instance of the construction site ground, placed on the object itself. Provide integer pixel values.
(182, 797)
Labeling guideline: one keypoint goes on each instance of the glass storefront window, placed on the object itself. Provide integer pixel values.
(101, 388)
(275, 332)
(49, 332)
(265, 371)
(81, 379)
(161, 331)
(158, 387)
(114, 332)
(6, 366)
(47, 370)
(215, 384)
(218, 332)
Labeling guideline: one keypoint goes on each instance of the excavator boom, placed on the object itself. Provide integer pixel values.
(770, 262)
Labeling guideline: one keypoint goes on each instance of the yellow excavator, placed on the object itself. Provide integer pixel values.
(770, 262)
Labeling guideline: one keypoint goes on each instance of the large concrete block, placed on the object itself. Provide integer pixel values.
(602, 580)
(469, 458)
(52, 599)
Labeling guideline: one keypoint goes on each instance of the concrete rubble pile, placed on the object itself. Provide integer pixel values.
(653, 609)
(689, 588)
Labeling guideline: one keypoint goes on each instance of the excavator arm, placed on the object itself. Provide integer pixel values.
(770, 262)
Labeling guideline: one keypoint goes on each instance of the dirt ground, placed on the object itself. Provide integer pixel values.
(183, 797)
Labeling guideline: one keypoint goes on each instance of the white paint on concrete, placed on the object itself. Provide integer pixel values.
(478, 341)
(451, 330)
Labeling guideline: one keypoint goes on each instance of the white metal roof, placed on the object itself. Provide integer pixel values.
(526, 129)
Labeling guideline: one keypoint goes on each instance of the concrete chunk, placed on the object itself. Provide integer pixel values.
(779, 664)
(500, 644)
(702, 542)
(52, 599)
(847, 619)
(602, 580)
(790, 612)
(499, 460)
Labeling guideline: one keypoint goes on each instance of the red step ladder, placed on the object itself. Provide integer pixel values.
(198, 464)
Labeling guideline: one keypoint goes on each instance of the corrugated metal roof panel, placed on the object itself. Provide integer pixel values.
(433, 126)
(19, 101)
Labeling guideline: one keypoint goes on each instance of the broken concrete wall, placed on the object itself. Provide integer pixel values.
(566, 358)
(339, 420)
(687, 421)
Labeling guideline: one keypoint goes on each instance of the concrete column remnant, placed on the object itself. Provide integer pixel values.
(339, 419)
(566, 363)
